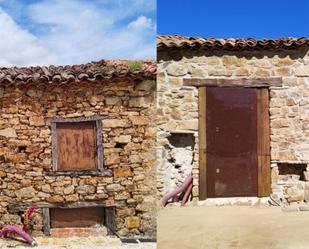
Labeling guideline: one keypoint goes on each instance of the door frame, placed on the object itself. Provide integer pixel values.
(263, 129)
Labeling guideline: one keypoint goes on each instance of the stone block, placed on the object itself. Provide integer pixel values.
(123, 139)
(11, 219)
(242, 72)
(230, 60)
(284, 61)
(132, 222)
(2, 173)
(304, 207)
(123, 172)
(294, 195)
(135, 159)
(290, 101)
(198, 72)
(122, 196)
(283, 71)
(302, 71)
(71, 198)
(123, 232)
(126, 212)
(31, 93)
(212, 60)
(151, 131)
(8, 132)
(68, 190)
(86, 189)
(140, 102)
(139, 120)
(36, 121)
(188, 125)
(146, 85)
(47, 188)
(220, 72)
(55, 199)
(25, 193)
(289, 208)
(112, 159)
(113, 123)
(44, 133)
(34, 148)
(262, 73)
(115, 187)
(25, 182)
(113, 100)
(176, 69)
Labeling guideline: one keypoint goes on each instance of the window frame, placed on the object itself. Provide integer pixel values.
(99, 143)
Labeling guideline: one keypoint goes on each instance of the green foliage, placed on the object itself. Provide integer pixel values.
(135, 65)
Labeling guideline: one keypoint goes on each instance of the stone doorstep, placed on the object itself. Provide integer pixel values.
(78, 232)
(295, 208)
(304, 207)
(138, 240)
(237, 201)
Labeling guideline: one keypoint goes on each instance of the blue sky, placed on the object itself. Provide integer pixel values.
(234, 18)
(43, 32)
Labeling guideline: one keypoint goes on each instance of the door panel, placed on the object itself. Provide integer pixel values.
(231, 132)
(77, 217)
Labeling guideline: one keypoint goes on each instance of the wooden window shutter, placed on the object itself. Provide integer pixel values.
(76, 146)
(76, 217)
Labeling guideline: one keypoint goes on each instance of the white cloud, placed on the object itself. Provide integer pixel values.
(142, 23)
(73, 32)
(19, 47)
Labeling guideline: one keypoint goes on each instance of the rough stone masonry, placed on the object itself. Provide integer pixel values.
(177, 112)
(121, 92)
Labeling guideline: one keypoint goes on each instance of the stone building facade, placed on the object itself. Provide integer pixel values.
(119, 97)
(287, 60)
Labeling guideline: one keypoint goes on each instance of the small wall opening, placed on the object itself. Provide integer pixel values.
(120, 145)
(292, 169)
(79, 221)
(76, 217)
(182, 140)
(21, 149)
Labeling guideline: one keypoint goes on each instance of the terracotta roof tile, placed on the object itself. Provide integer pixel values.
(178, 41)
(90, 72)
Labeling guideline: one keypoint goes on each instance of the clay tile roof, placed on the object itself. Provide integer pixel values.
(89, 72)
(178, 41)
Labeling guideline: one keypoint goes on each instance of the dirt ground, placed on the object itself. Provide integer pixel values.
(77, 243)
(241, 227)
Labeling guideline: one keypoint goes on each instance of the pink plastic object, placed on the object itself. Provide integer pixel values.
(178, 190)
(16, 230)
(187, 194)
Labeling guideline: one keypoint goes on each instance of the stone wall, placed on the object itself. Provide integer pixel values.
(26, 112)
(289, 109)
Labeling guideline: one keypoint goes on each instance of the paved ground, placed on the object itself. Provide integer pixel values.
(77, 243)
(241, 227)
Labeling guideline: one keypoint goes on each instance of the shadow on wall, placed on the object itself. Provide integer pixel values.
(179, 158)
(179, 54)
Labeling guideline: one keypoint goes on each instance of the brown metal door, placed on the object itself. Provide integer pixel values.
(231, 137)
